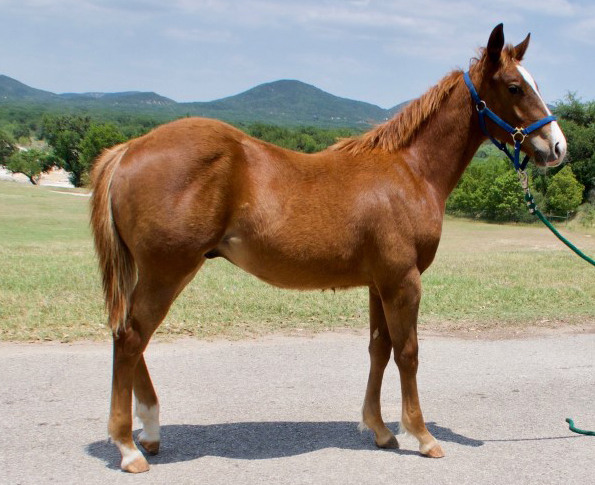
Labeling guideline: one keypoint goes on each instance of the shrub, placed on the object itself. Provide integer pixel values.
(490, 190)
(504, 199)
(564, 193)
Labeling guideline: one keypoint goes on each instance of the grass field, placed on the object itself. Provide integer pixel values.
(484, 275)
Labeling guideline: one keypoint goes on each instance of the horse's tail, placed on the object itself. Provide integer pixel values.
(116, 263)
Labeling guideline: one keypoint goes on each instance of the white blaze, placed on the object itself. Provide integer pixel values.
(556, 135)
(531, 82)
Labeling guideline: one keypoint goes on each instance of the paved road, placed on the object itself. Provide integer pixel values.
(285, 410)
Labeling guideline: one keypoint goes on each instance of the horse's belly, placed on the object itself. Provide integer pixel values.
(281, 266)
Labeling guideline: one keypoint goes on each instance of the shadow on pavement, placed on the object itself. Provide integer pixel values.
(263, 440)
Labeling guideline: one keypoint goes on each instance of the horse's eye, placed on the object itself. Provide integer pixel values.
(514, 89)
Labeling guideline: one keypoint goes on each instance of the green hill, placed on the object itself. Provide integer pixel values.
(13, 90)
(290, 102)
(284, 102)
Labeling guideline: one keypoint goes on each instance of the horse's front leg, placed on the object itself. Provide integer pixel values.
(401, 305)
(380, 348)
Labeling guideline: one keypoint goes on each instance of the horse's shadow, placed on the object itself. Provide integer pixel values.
(262, 440)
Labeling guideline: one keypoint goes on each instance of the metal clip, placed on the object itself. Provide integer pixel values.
(519, 131)
(481, 106)
(524, 179)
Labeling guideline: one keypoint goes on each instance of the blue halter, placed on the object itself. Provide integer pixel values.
(518, 134)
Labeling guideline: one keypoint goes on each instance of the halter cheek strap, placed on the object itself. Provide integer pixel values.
(518, 134)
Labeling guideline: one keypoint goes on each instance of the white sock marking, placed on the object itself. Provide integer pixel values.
(424, 449)
(129, 454)
(149, 417)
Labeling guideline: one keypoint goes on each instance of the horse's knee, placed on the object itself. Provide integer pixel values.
(407, 357)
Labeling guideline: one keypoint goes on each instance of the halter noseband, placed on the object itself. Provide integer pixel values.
(518, 134)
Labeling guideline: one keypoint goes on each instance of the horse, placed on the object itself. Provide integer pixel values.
(367, 211)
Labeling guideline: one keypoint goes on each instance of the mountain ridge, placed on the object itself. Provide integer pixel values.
(285, 102)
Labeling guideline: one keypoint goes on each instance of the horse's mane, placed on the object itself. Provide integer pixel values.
(400, 131)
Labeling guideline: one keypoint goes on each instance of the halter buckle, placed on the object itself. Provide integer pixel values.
(519, 132)
(481, 106)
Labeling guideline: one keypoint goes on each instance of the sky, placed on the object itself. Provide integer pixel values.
(379, 51)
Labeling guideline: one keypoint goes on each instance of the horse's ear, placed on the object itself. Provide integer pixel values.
(519, 50)
(496, 43)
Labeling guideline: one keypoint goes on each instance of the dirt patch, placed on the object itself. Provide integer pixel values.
(494, 331)
(455, 330)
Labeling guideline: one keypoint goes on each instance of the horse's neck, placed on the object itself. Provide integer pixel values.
(446, 144)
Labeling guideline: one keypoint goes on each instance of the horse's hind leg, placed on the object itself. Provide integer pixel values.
(146, 408)
(146, 403)
(153, 295)
(380, 348)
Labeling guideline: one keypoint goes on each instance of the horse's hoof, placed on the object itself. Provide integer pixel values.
(435, 452)
(390, 444)
(151, 447)
(138, 465)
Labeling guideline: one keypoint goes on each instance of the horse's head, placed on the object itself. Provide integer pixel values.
(511, 93)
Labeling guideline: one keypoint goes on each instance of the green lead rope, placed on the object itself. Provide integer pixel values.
(577, 430)
(534, 210)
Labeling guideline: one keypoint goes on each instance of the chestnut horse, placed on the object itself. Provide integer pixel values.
(367, 211)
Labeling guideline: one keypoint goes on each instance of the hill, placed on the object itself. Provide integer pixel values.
(13, 90)
(284, 102)
(290, 101)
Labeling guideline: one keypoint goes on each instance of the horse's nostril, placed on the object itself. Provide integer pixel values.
(557, 150)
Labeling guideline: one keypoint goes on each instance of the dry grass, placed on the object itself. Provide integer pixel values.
(484, 274)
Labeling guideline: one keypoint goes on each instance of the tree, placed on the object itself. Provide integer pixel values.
(564, 193)
(30, 163)
(577, 120)
(21, 131)
(98, 138)
(573, 109)
(504, 198)
(474, 195)
(7, 147)
(76, 142)
(64, 135)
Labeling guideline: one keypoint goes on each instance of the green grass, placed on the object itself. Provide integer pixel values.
(484, 274)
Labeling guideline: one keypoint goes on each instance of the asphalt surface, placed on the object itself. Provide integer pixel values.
(285, 410)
